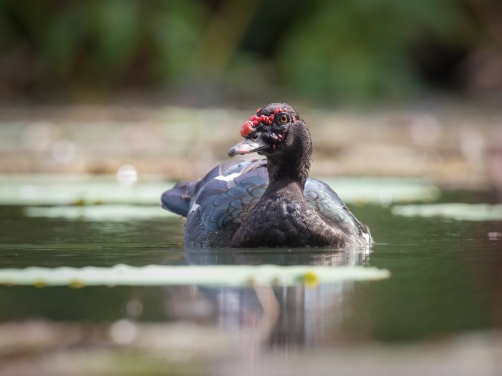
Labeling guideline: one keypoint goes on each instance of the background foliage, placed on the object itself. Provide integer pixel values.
(358, 49)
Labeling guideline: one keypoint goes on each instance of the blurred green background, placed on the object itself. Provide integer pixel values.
(207, 51)
(387, 87)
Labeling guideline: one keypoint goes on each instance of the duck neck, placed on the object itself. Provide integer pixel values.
(290, 168)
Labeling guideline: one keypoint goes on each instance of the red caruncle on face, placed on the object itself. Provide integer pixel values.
(254, 120)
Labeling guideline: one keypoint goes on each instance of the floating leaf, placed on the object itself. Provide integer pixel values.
(458, 211)
(99, 213)
(43, 190)
(223, 275)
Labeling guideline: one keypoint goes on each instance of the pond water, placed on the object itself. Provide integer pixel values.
(445, 278)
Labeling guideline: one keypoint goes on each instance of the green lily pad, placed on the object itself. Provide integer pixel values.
(457, 211)
(98, 213)
(80, 190)
(222, 275)
(383, 191)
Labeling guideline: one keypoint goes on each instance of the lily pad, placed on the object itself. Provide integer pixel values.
(383, 191)
(457, 211)
(72, 191)
(80, 190)
(98, 213)
(221, 275)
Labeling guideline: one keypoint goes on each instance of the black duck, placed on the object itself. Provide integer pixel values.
(266, 202)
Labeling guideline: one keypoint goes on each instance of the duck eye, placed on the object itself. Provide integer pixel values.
(283, 119)
(255, 137)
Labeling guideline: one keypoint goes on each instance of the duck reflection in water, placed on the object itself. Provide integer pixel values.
(285, 317)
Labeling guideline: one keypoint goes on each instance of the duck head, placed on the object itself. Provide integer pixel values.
(280, 134)
(267, 131)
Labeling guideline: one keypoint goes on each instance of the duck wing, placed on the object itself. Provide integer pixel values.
(236, 186)
(228, 197)
(177, 199)
(321, 198)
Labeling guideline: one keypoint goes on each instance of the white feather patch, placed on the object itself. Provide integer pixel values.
(194, 208)
(228, 177)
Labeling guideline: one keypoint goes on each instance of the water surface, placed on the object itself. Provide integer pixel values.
(445, 278)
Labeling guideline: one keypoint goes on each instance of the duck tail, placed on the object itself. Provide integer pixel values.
(177, 199)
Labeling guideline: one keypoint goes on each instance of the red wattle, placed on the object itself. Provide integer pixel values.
(246, 128)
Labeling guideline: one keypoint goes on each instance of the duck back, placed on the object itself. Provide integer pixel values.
(218, 206)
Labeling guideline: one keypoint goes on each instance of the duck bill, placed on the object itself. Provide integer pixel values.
(246, 146)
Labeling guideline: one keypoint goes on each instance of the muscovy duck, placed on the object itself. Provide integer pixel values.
(266, 202)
